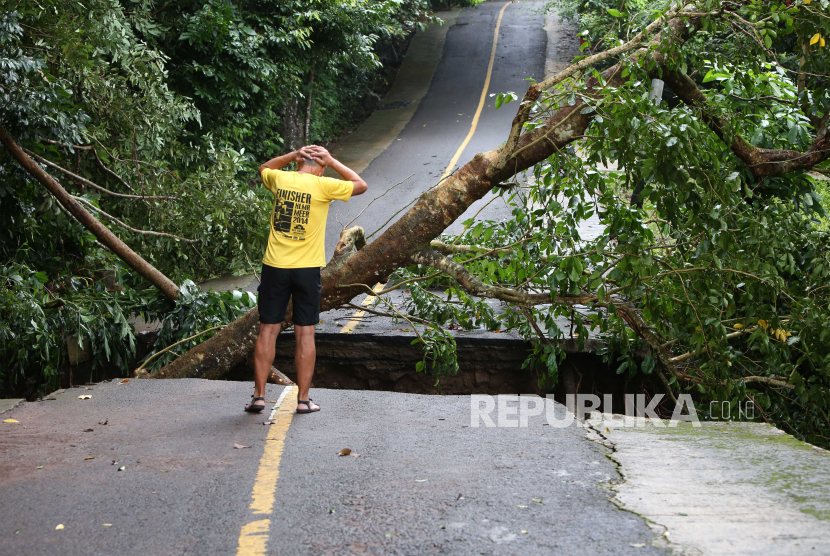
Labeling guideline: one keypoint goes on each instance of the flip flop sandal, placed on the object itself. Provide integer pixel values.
(308, 406)
(251, 408)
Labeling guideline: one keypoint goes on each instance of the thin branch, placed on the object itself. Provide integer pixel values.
(731, 335)
(171, 346)
(98, 158)
(477, 287)
(130, 228)
(93, 185)
(770, 381)
(252, 267)
(390, 315)
(375, 199)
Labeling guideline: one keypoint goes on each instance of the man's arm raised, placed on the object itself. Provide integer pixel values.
(323, 157)
(282, 161)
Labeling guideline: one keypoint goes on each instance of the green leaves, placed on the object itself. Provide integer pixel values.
(504, 98)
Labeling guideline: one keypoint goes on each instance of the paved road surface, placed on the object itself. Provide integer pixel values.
(186, 489)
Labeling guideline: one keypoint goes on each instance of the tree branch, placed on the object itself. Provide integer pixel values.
(91, 184)
(101, 232)
(475, 286)
(770, 381)
(130, 228)
(762, 162)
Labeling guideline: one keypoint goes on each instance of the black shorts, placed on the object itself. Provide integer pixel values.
(279, 284)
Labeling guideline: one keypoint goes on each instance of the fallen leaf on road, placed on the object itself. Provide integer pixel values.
(354, 455)
(332, 510)
(443, 526)
(122, 468)
(89, 457)
(606, 430)
(344, 452)
(537, 500)
(11, 421)
(106, 525)
(524, 531)
(163, 470)
(421, 480)
(402, 330)
(269, 422)
(59, 527)
(89, 430)
(460, 497)
(125, 380)
(39, 467)
(389, 535)
(103, 422)
(84, 397)
(637, 544)
(518, 506)
(240, 446)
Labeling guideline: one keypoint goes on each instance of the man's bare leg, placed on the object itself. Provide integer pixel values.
(264, 357)
(304, 357)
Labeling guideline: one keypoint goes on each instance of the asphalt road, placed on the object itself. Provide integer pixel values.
(425, 481)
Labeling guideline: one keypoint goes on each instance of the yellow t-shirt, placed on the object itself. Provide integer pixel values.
(298, 219)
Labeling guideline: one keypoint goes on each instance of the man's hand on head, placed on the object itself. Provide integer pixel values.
(321, 155)
(303, 152)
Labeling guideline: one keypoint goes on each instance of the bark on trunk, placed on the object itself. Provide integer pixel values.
(308, 107)
(292, 125)
(101, 232)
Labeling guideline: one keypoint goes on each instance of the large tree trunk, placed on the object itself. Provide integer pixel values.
(412, 233)
(101, 232)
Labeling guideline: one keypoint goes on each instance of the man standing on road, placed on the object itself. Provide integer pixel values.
(293, 259)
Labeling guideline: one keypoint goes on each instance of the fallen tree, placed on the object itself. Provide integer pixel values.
(405, 241)
(431, 215)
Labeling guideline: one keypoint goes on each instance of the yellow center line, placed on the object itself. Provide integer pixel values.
(356, 318)
(253, 538)
(483, 99)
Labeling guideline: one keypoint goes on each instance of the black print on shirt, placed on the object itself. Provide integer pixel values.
(291, 212)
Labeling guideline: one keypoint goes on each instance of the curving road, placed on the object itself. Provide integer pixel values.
(443, 119)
